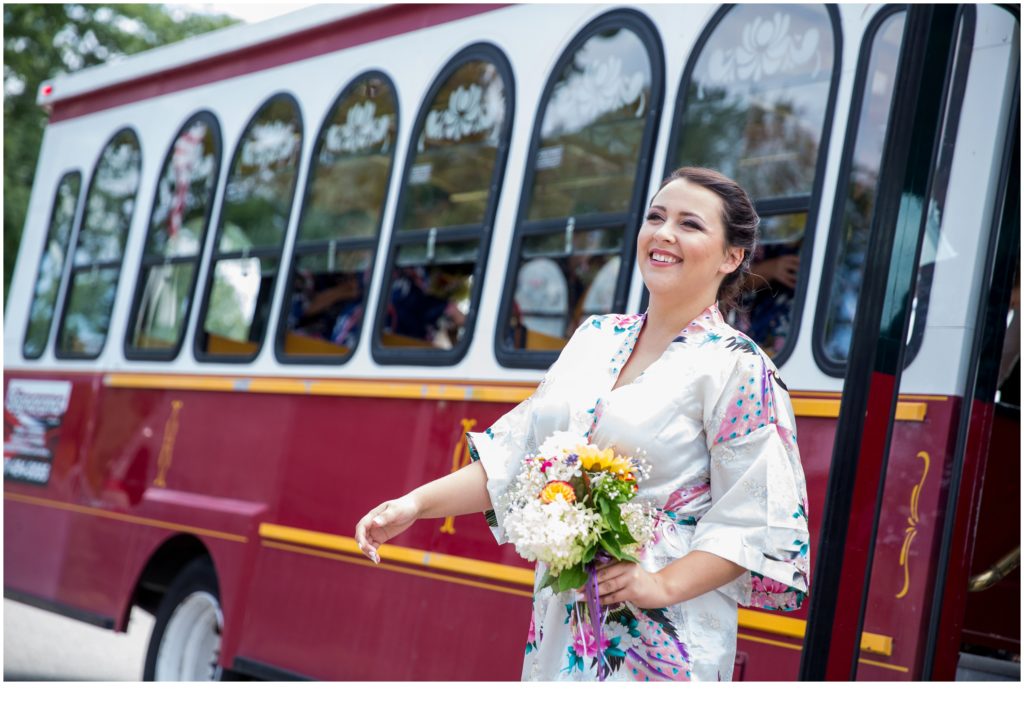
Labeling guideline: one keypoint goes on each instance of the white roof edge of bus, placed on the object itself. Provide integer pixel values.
(198, 48)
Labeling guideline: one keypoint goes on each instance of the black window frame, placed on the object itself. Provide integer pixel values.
(954, 93)
(647, 32)
(215, 257)
(72, 232)
(483, 232)
(155, 354)
(299, 247)
(792, 204)
(118, 265)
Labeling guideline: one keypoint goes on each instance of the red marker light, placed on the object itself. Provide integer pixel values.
(47, 90)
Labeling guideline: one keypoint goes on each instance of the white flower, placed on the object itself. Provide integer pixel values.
(639, 520)
(557, 534)
(560, 442)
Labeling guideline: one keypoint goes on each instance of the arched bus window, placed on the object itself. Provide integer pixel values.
(848, 247)
(174, 243)
(854, 211)
(253, 222)
(99, 249)
(583, 191)
(442, 229)
(51, 265)
(755, 103)
(346, 189)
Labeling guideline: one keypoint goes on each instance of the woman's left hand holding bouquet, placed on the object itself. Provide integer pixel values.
(619, 581)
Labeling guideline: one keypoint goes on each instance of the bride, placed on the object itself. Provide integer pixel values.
(716, 422)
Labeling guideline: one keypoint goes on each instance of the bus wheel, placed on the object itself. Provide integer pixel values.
(185, 644)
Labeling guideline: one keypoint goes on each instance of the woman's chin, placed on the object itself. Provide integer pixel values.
(658, 285)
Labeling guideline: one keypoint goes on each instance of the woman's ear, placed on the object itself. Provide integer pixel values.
(733, 259)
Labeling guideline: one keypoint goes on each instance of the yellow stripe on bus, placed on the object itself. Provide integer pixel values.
(362, 561)
(753, 620)
(398, 389)
(791, 646)
(795, 628)
(138, 520)
(397, 553)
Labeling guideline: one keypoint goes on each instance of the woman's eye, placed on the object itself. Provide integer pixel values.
(653, 216)
(692, 224)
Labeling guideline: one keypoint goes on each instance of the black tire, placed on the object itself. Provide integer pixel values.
(196, 584)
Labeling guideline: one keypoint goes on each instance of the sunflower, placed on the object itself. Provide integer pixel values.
(557, 488)
(594, 460)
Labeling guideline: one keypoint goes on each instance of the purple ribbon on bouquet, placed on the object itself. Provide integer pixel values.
(594, 606)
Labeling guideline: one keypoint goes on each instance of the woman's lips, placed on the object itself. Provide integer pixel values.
(670, 259)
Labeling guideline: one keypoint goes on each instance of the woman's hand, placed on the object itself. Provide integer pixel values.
(385, 522)
(627, 581)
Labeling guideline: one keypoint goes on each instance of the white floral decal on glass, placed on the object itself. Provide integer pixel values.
(471, 110)
(766, 48)
(599, 88)
(362, 130)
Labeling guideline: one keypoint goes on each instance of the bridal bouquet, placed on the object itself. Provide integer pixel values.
(572, 502)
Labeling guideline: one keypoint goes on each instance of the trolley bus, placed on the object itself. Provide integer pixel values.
(270, 276)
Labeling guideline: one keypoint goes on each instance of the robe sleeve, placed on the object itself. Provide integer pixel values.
(502, 447)
(758, 513)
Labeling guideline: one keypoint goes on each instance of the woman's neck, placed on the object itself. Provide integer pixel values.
(667, 317)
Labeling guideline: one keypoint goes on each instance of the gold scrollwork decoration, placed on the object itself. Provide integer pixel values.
(460, 458)
(915, 518)
(163, 460)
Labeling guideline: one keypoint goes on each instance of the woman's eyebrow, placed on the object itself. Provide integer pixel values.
(682, 213)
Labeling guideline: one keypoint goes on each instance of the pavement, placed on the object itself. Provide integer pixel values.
(43, 646)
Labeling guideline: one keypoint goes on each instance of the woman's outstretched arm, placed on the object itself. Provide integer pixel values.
(461, 492)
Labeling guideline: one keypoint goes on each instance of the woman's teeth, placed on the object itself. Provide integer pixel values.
(662, 258)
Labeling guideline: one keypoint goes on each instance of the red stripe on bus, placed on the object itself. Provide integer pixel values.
(352, 31)
(845, 642)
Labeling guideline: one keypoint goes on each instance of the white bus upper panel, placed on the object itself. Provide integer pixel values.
(531, 38)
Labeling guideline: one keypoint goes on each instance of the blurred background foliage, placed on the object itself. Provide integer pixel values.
(44, 41)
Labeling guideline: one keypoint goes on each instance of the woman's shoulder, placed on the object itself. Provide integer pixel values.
(739, 353)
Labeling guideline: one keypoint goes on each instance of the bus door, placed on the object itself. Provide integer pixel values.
(916, 156)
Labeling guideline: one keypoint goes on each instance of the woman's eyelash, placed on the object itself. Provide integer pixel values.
(690, 223)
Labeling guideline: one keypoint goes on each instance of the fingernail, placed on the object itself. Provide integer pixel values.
(378, 521)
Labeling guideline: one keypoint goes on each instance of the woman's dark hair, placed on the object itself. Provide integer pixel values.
(740, 220)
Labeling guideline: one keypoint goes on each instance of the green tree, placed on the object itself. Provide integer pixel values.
(44, 41)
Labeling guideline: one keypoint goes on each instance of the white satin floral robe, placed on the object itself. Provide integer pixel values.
(718, 428)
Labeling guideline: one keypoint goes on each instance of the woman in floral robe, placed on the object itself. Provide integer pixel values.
(716, 424)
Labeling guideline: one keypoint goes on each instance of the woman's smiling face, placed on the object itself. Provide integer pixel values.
(681, 247)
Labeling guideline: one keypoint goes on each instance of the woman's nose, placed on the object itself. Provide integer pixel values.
(663, 233)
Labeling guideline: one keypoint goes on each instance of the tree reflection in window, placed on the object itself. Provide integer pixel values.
(754, 108)
(51, 265)
(862, 188)
(96, 261)
(254, 218)
(177, 230)
(449, 195)
(337, 238)
(591, 143)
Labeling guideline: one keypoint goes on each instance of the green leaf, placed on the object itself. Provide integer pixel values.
(571, 578)
(611, 546)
